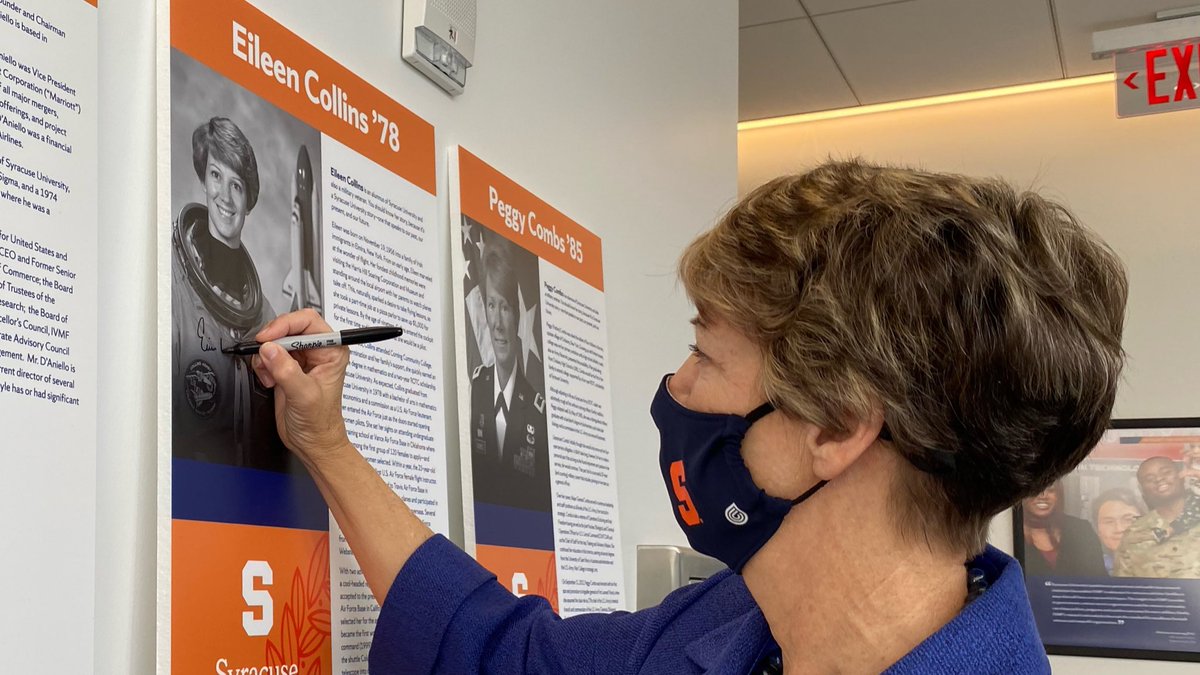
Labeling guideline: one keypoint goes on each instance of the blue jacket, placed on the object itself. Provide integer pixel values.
(446, 614)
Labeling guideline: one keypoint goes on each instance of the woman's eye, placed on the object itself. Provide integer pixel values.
(696, 352)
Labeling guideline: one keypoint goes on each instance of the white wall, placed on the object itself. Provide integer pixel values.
(1135, 181)
(125, 467)
(620, 113)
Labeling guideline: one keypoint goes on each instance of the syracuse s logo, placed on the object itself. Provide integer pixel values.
(687, 510)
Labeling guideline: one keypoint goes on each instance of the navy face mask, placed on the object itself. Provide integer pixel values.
(718, 506)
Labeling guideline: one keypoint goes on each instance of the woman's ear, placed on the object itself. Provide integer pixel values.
(832, 453)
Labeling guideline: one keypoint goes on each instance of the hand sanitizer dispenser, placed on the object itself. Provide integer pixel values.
(662, 569)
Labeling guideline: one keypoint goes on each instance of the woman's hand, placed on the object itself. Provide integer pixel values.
(308, 387)
(381, 530)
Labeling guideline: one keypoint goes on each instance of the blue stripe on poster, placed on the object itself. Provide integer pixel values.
(229, 494)
(520, 528)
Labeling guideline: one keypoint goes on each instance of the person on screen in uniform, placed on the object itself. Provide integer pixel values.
(1191, 466)
(221, 412)
(1164, 543)
(1056, 543)
(1114, 513)
(510, 459)
(884, 359)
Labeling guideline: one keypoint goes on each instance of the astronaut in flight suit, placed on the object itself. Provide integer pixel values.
(221, 413)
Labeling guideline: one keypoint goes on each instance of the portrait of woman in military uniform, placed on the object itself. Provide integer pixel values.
(510, 458)
(245, 245)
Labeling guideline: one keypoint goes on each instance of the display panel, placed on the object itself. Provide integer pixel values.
(1111, 551)
(288, 182)
(535, 402)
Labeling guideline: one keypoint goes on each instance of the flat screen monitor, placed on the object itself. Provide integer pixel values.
(1111, 552)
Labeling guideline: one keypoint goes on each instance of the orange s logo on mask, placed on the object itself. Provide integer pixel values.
(687, 510)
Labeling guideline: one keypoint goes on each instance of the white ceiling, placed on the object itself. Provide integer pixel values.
(799, 56)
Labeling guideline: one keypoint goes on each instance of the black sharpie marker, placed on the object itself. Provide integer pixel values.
(352, 336)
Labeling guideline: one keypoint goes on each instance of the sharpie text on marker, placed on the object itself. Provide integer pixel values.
(352, 336)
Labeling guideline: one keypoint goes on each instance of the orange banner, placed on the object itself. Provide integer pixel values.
(524, 571)
(491, 198)
(248, 47)
(246, 596)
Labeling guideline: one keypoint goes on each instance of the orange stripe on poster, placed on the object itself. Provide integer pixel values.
(499, 203)
(1170, 447)
(524, 571)
(93, 3)
(248, 47)
(252, 596)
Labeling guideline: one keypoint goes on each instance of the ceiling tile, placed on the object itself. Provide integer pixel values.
(1078, 19)
(755, 12)
(818, 7)
(783, 68)
(930, 47)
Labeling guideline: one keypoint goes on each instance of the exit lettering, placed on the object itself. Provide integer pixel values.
(1156, 79)
(1182, 57)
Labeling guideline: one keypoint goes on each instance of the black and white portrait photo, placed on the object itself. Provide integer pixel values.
(510, 459)
(245, 246)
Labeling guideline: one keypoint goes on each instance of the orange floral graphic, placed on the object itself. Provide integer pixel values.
(306, 617)
(547, 586)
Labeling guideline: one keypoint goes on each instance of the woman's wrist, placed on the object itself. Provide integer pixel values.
(323, 457)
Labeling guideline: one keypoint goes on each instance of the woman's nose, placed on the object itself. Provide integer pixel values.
(680, 384)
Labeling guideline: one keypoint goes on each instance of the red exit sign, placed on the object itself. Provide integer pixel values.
(1162, 78)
